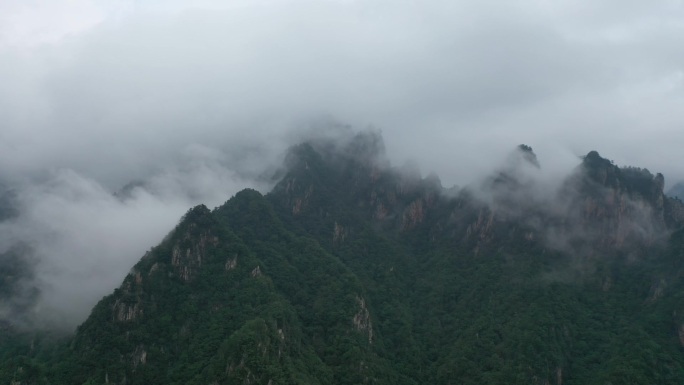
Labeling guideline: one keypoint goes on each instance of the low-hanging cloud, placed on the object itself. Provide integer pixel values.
(589, 213)
(438, 75)
(195, 100)
(82, 238)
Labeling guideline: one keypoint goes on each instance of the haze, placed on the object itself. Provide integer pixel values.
(199, 99)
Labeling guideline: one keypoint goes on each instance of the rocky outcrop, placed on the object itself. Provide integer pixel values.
(188, 254)
(414, 214)
(126, 312)
(256, 272)
(482, 228)
(231, 263)
(362, 321)
(139, 357)
(339, 233)
(608, 209)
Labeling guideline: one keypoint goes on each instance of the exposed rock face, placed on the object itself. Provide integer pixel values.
(154, 268)
(256, 272)
(362, 320)
(231, 263)
(483, 226)
(339, 233)
(599, 209)
(619, 207)
(188, 254)
(126, 312)
(300, 195)
(139, 357)
(297, 206)
(413, 215)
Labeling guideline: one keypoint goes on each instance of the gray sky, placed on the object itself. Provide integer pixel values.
(104, 89)
(197, 97)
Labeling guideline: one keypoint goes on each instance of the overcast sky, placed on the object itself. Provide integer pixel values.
(107, 88)
(198, 96)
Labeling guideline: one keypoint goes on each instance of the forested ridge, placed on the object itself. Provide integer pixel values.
(351, 271)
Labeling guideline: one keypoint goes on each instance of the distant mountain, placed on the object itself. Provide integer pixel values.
(677, 191)
(351, 271)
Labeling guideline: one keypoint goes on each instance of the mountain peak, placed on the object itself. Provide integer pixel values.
(528, 154)
(365, 148)
(367, 144)
(351, 271)
(594, 161)
(635, 181)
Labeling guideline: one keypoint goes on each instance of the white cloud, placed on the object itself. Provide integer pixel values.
(193, 96)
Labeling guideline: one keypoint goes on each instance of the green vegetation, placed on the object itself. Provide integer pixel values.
(351, 273)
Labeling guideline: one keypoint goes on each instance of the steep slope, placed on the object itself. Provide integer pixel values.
(351, 271)
(485, 291)
(230, 296)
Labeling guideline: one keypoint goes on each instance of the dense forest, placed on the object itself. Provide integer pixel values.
(351, 271)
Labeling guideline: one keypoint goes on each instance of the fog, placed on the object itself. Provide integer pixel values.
(85, 238)
(199, 99)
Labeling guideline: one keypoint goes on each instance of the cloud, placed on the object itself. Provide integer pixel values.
(196, 98)
(83, 239)
(435, 76)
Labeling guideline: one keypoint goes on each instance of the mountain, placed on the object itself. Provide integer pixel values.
(351, 271)
(677, 191)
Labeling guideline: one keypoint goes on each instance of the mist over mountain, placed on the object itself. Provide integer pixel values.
(82, 236)
(115, 92)
(676, 191)
(352, 270)
(183, 198)
(596, 208)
